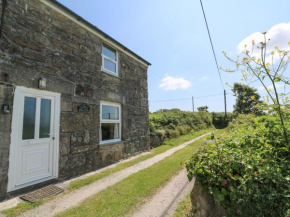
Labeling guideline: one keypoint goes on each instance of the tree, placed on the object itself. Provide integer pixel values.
(202, 109)
(247, 99)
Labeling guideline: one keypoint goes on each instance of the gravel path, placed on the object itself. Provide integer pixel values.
(16, 200)
(74, 198)
(165, 202)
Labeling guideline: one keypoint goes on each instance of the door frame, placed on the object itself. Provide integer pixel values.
(15, 132)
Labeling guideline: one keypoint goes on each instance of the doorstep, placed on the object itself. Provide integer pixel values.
(10, 203)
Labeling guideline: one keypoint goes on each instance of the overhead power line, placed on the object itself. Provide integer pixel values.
(211, 44)
(170, 100)
(190, 98)
(156, 75)
(209, 95)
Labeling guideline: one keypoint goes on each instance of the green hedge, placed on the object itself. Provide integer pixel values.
(219, 120)
(249, 169)
(168, 124)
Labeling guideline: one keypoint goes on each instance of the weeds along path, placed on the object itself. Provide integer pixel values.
(166, 200)
(74, 198)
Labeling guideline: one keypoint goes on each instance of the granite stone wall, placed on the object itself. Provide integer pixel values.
(39, 42)
(204, 204)
(6, 97)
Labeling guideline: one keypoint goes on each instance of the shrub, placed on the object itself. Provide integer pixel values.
(172, 133)
(172, 119)
(152, 127)
(175, 122)
(183, 130)
(219, 121)
(162, 134)
(241, 121)
(248, 170)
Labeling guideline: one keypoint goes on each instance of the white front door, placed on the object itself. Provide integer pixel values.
(34, 140)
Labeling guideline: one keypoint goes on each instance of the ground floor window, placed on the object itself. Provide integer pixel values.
(110, 130)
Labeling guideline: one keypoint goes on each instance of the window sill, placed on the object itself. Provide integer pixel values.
(111, 74)
(110, 143)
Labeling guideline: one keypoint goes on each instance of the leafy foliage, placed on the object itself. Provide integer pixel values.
(259, 63)
(202, 109)
(173, 123)
(247, 99)
(249, 169)
(219, 120)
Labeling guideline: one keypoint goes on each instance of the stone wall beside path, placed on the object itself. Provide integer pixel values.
(203, 203)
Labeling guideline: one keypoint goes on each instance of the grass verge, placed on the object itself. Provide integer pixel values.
(120, 199)
(168, 144)
(184, 207)
(21, 208)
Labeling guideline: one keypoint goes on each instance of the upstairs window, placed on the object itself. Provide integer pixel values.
(110, 130)
(109, 60)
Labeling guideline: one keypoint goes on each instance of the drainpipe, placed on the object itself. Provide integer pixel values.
(4, 4)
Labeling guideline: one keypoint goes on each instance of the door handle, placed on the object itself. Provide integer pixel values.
(53, 138)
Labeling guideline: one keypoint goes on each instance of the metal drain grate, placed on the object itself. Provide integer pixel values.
(42, 193)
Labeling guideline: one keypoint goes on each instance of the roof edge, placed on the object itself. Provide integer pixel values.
(101, 34)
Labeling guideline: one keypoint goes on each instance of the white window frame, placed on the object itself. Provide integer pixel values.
(111, 60)
(110, 121)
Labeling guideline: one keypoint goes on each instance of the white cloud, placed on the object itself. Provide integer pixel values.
(205, 78)
(270, 86)
(171, 83)
(279, 35)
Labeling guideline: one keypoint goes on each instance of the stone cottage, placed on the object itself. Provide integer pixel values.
(72, 98)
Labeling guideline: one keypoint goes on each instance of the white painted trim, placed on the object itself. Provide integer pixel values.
(111, 121)
(37, 119)
(17, 108)
(56, 133)
(113, 61)
(32, 183)
(108, 41)
(109, 72)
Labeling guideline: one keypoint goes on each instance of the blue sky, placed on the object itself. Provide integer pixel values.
(172, 36)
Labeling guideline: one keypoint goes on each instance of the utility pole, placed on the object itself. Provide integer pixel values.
(225, 96)
(192, 104)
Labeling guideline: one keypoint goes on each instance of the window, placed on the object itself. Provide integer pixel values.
(110, 130)
(109, 60)
(36, 118)
(29, 118)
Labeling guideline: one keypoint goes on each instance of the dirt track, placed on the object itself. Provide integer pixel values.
(74, 198)
(165, 202)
